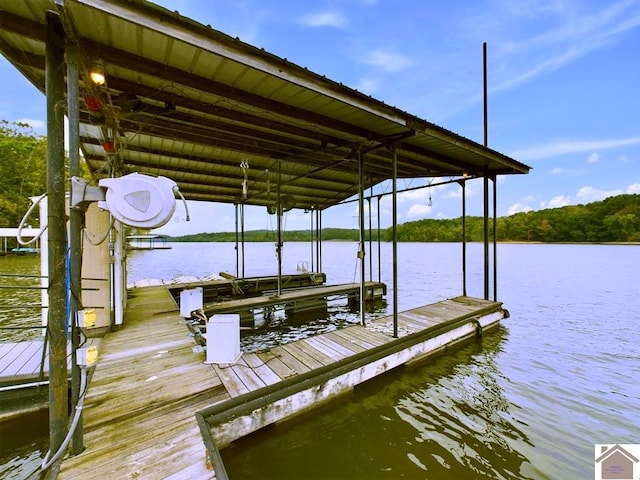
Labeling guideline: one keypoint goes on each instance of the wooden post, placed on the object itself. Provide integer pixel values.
(57, 315)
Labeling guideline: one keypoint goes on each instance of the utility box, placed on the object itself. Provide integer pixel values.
(190, 300)
(223, 338)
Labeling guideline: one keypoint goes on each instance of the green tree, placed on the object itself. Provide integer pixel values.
(23, 172)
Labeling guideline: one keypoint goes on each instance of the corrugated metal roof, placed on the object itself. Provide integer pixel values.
(190, 103)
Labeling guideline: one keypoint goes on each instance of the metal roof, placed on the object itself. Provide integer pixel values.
(185, 101)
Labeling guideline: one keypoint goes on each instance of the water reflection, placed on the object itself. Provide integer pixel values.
(447, 419)
(20, 307)
(21, 448)
(286, 328)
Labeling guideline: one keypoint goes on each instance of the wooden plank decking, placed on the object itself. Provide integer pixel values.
(140, 410)
(20, 361)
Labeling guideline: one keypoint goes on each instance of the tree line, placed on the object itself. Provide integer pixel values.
(615, 219)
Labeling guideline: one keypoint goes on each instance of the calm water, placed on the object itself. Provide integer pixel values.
(20, 313)
(529, 401)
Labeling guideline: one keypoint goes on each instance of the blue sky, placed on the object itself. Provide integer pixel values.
(563, 76)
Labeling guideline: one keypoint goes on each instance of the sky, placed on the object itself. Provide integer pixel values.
(563, 91)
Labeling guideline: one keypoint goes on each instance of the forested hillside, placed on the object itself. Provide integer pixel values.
(616, 219)
(23, 171)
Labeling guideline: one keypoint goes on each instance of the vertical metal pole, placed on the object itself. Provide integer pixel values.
(319, 226)
(485, 177)
(361, 248)
(237, 246)
(484, 93)
(311, 239)
(54, 71)
(394, 208)
(75, 232)
(495, 241)
(485, 232)
(242, 235)
(463, 184)
(279, 236)
(317, 214)
(370, 234)
(370, 243)
(379, 253)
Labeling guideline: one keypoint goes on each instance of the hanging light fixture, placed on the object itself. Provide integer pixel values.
(96, 73)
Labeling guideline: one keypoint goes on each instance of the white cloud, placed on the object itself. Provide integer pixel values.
(576, 36)
(556, 202)
(368, 85)
(388, 61)
(557, 171)
(518, 208)
(549, 150)
(419, 194)
(593, 158)
(589, 194)
(634, 188)
(419, 210)
(324, 19)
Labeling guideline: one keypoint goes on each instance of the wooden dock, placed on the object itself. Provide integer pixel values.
(155, 410)
(231, 287)
(24, 376)
(22, 362)
(372, 289)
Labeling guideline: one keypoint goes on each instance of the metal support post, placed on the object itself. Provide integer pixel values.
(361, 247)
(463, 184)
(379, 252)
(394, 181)
(495, 240)
(75, 234)
(485, 231)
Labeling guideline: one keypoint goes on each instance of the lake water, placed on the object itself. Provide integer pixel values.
(528, 401)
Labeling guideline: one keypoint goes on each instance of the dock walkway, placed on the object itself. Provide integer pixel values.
(151, 401)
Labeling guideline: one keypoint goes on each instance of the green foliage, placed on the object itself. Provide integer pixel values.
(23, 172)
(616, 219)
(269, 236)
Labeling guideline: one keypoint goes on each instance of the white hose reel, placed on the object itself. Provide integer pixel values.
(140, 200)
